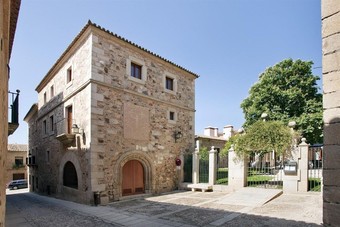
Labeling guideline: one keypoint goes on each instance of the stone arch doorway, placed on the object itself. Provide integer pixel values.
(70, 178)
(133, 181)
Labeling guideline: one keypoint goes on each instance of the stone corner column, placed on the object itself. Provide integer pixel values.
(212, 165)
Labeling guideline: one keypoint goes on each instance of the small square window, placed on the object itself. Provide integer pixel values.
(69, 74)
(171, 115)
(169, 83)
(136, 71)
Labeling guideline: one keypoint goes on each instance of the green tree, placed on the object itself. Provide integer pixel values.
(287, 92)
(263, 137)
(204, 153)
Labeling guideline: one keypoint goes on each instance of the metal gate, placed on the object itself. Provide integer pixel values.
(265, 171)
(222, 169)
(315, 167)
(187, 168)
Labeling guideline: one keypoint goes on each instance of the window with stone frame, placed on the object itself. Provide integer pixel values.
(69, 75)
(169, 83)
(171, 115)
(136, 70)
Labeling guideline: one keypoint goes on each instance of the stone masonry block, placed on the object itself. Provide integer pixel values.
(331, 213)
(331, 43)
(330, 115)
(331, 81)
(331, 100)
(331, 194)
(329, 7)
(331, 25)
(331, 62)
(331, 134)
(331, 177)
(331, 156)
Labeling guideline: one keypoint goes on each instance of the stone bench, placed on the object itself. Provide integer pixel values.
(203, 187)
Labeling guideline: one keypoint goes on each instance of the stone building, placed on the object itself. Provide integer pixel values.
(330, 13)
(16, 162)
(112, 117)
(212, 137)
(9, 10)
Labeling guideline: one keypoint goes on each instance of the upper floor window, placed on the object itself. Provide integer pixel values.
(45, 98)
(52, 123)
(136, 71)
(69, 74)
(52, 91)
(44, 127)
(169, 83)
(19, 161)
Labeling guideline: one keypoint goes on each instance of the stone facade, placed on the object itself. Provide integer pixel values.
(9, 10)
(331, 104)
(123, 120)
(16, 162)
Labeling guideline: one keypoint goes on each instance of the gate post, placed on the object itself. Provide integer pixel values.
(303, 166)
(237, 170)
(212, 165)
(195, 164)
(298, 182)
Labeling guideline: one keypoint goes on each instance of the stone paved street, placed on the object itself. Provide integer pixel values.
(181, 208)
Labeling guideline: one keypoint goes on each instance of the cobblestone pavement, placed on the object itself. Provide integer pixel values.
(37, 212)
(181, 208)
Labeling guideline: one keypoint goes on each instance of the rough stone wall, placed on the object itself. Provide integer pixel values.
(116, 96)
(50, 154)
(3, 108)
(331, 104)
(4, 22)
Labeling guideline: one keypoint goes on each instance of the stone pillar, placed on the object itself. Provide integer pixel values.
(212, 165)
(303, 166)
(330, 13)
(237, 170)
(195, 164)
(298, 182)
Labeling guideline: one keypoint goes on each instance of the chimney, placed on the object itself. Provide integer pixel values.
(228, 131)
(211, 131)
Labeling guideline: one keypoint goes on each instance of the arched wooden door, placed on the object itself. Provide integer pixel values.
(133, 178)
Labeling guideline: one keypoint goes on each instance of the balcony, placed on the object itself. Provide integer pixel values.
(30, 161)
(65, 132)
(14, 113)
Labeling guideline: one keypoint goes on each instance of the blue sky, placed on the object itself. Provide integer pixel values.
(227, 42)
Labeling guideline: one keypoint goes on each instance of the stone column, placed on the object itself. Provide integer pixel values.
(195, 164)
(237, 170)
(303, 166)
(212, 165)
(330, 13)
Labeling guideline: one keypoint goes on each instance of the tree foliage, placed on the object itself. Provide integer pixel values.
(204, 153)
(287, 92)
(264, 137)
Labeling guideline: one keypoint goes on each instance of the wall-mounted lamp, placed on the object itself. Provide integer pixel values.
(177, 135)
(75, 129)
